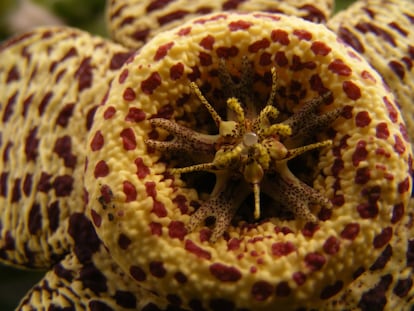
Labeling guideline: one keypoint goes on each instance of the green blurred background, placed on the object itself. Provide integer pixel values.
(88, 15)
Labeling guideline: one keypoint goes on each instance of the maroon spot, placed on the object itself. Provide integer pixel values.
(314, 261)
(365, 27)
(26, 104)
(180, 277)
(157, 5)
(35, 219)
(383, 259)
(362, 175)
(13, 74)
(63, 185)
(125, 299)
(44, 102)
(233, 244)
(177, 230)
(162, 51)
(404, 185)
(351, 89)
(282, 248)
(8, 110)
(96, 218)
(97, 141)
(398, 28)
(383, 238)
(331, 290)
(173, 16)
(403, 286)
(302, 34)
(137, 273)
(44, 184)
(141, 35)
(129, 191)
(27, 184)
(397, 68)
(157, 269)
(351, 231)
(150, 188)
(89, 117)
(337, 166)
(338, 66)
(84, 74)
(309, 229)
(360, 154)
(135, 115)
(118, 59)
(124, 74)
(194, 74)
(109, 113)
(158, 208)
(225, 273)
(397, 213)
(184, 31)
(374, 298)
(231, 4)
(205, 59)
(382, 130)
(193, 248)
(106, 193)
(9, 241)
(331, 245)
(265, 59)
(281, 59)
(280, 36)
(227, 52)
(262, 290)
(181, 202)
(399, 145)
(176, 71)
(101, 169)
(128, 139)
(65, 114)
(155, 228)
(124, 241)
(63, 148)
(368, 210)
(220, 304)
(299, 278)
(298, 65)
(320, 48)
(207, 42)
(259, 45)
(239, 25)
(142, 169)
(368, 76)
(129, 94)
(362, 119)
(392, 111)
(283, 289)
(151, 83)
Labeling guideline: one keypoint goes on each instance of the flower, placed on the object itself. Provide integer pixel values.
(115, 158)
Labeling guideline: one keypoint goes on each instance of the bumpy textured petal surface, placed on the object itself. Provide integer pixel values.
(383, 31)
(133, 22)
(140, 211)
(51, 81)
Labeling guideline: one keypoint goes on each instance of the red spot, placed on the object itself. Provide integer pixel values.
(157, 269)
(338, 66)
(128, 139)
(158, 208)
(360, 154)
(404, 186)
(129, 191)
(259, 45)
(399, 146)
(382, 130)
(362, 175)
(280, 36)
(331, 290)
(184, 31)
(368, 76)
(137, 273)
(383, 238)
(227, 52)
(368, 210)
(392, 111)
(118, 60)
(299, 278)
(282, 248)
(320, 48)
(155, 228)
(309, 229)
(283, 289)
(314, 261)
(150, 189)
(96, 218)
(234, 244)
(225, 273)
(124, 74)
(163, 50)
(205, 59)
(101, 169)
(142, 169)
(331, 245)
(239, 25)
(84, 74)
(362, 119)
(109, 113)
(302, 34)
(193, 248)
(135, 115)
(207, 42)
(281, 59)
(181, 202)
(262, 290)
(351, 89)
(176, 71)
(129, 94)
(397, 213)
(151, 83)
(177, 230)
(97, 141)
